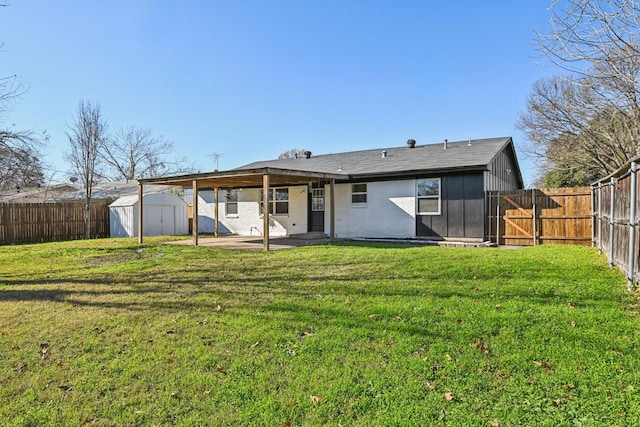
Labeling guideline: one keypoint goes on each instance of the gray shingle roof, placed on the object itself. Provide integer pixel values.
(474, 154)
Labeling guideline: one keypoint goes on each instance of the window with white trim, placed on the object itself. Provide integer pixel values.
(278, 201)
(358, 194)
(231, 202)
(428, 200)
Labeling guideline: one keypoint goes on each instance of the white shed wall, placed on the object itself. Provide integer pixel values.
(389, 211)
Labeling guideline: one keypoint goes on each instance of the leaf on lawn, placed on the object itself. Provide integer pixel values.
(172, 331)
(65, 388)
(317, 399)
(287, 423)
(306, 334)
(495, 422)
(448, 396)
(448, 357)
(480, 345)
(497, 306)
(221, 370)
(571, 305)
(569, 386)
(558, 402)
(461, 320)
(255, 344)
(574, 324)
(428, 385)
(374, 316)
(544, 364)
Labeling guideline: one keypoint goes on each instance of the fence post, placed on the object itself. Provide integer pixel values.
(612, 221)
(535, 232)
(600, 216)
(593, 217)
(632, 226)
(498, 220)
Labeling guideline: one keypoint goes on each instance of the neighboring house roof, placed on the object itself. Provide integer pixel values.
(112, 190)
(462, 155)
(36, 195)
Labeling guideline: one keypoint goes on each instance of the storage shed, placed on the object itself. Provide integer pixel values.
(164, 215)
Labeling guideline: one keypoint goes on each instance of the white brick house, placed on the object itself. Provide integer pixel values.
(434, 191)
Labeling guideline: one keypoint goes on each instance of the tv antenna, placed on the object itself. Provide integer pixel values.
(216, 158)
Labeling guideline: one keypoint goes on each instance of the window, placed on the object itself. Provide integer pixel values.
(317, 200)
(358, 193)
(278, 201)
(428, 196)
(231, 202)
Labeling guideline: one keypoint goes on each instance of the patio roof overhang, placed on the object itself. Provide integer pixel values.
(239, 178)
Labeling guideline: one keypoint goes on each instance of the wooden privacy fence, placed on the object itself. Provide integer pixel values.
(46, 222)
(531, 217)
(615, 209)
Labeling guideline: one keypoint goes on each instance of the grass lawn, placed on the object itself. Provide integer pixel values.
(106, 332)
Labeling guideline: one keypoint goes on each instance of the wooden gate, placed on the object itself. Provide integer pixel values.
(531, 217)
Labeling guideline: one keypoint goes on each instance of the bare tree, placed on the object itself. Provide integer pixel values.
(588, 118)
(19, 149)
(136, 153)
(88, 133)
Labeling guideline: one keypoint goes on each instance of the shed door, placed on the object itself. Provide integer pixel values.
(159, 220)
(316, 210)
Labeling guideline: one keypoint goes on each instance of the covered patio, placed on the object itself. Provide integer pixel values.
(245, 178)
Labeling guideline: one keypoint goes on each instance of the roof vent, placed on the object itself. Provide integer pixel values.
(411, 143)
(307, 154)
(445, 144)
(384, 154)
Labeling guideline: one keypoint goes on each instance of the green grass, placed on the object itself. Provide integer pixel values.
(344, 334)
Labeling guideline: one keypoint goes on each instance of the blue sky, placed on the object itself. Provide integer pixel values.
(251, 79)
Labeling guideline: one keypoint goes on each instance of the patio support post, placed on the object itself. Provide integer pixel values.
(140, 214)
(216, 226)
(265, 210)
(498, 220)
(195, 212)
(332, 210)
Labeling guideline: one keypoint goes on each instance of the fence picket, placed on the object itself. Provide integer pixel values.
(46, 222)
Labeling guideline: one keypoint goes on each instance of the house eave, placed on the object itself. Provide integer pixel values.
(245, 178)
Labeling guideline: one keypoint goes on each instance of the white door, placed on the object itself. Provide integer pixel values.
(159, 220)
